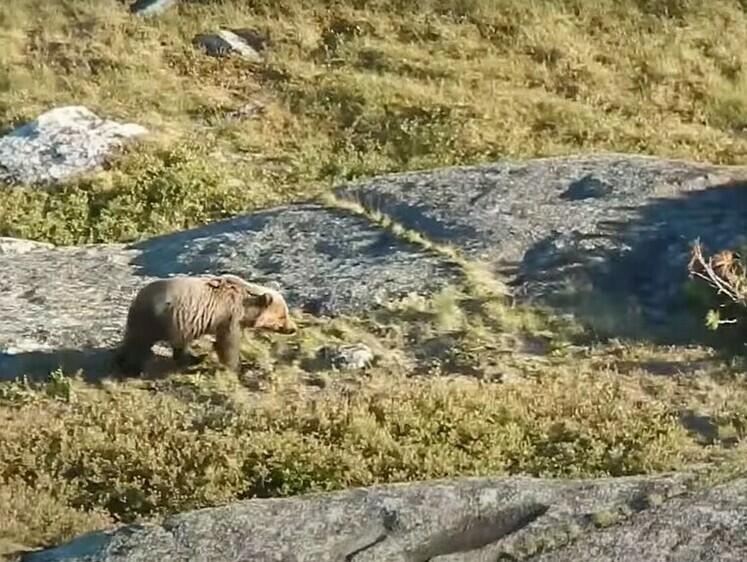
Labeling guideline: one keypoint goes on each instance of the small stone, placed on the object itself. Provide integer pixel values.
(150, 7)
(224, 42)
(253, 380)
(246, 111)
(352, 357)
(62, 142)
(252, 38)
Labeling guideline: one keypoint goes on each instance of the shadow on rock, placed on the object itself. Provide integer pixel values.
(327, 261)
(630, 277)
(605, 236)
(95, 364)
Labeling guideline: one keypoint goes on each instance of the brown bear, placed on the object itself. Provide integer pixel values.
(179, 310)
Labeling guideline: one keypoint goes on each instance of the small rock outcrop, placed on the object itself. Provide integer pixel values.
(150, 7)
(348, 357)
(575, 232)
(224, 42)
(60, 143)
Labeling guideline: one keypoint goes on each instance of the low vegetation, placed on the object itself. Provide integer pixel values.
(464, 384)
(451, 394)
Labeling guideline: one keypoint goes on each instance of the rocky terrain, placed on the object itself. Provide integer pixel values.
(578, 233)
(520, 316)
(623, 222)
(663, 518)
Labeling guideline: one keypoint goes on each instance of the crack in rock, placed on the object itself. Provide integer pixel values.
(479, 532)
(366, 543)
(469, 520)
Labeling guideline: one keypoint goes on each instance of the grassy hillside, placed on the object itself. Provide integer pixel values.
(353, 88)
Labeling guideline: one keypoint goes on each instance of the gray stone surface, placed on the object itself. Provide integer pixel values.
(623, 221)
(709, 526)
(328, 261)
(60, 143)
(9, 245)
(444, 521)
(619, 225)
(67, 306)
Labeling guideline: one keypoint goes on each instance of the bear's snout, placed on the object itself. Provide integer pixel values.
(289, 328)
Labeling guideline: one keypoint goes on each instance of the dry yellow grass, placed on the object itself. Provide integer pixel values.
(465, 385)
(357, 88)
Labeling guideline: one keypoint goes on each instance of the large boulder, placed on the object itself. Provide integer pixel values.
(59, 144)
(577, 229)
(662, 518)
(66, 306)
(615, 227)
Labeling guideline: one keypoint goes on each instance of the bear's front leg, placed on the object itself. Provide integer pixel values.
(227, 345)
(131, 357)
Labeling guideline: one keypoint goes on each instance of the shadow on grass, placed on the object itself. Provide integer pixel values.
(94, 364)
(702, 426)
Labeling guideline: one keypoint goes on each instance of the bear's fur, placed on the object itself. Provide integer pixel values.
(182, 309)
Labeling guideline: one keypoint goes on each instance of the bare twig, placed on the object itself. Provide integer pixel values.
(722, 271)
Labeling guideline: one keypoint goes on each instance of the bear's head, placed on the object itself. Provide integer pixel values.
(262, 307)
(267, 310)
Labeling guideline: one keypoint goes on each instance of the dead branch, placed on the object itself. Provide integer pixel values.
(722, 271)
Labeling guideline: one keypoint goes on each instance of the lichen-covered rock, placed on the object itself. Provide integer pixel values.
(464, 520)
(9, 245)
(327, 263)
(576, 231)
(60, 143)
(709, 525)
(625, 228)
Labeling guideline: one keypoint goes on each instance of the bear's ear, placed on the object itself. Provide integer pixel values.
(263, 301)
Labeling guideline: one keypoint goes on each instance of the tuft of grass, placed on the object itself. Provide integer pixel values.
(606, 518)
(349, 89)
